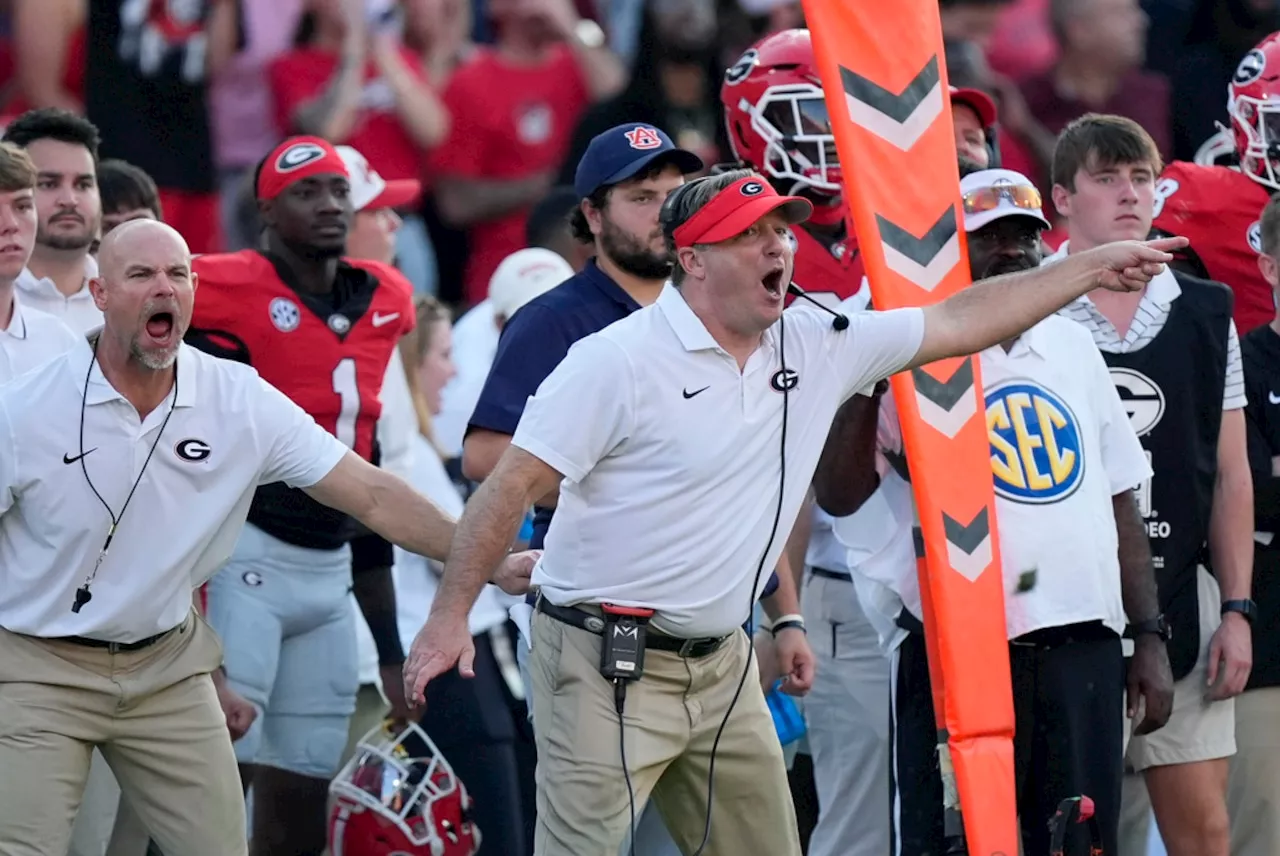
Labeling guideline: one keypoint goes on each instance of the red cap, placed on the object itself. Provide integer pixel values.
(979, 102)
(735, 208)
(295, 159)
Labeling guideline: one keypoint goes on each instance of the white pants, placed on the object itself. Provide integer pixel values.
(847, 712)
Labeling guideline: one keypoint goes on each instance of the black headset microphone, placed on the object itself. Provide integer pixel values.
(841, 321)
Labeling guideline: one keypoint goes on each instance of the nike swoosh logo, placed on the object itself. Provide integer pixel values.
(379, 320)
(67, 459)
(688, 394)
(1273, 398)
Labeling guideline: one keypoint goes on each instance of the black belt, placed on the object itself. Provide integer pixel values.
(830, 575)
(114, 647)
(591, 623)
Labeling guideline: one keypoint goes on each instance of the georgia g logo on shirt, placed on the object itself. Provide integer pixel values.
(1037, 455)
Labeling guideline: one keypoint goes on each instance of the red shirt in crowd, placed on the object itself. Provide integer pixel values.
(509, 123)
(1143, 97)
(301, 75)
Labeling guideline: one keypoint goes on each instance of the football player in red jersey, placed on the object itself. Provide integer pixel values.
(1219, 207)
(320, 328)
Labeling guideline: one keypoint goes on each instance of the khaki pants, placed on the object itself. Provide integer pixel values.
(106, 825)
(671, 716)
(155, 717)
(1253, 790)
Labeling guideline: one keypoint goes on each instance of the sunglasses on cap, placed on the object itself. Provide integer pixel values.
(1022, 196)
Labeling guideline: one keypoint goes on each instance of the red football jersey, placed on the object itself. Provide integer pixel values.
(1218, 209)
(830, 274)
(330, 362)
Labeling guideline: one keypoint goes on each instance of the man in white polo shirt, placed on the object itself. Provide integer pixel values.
(127, 466)
(682, 440)
(64, 147)
(1065, 462)
(28, 337)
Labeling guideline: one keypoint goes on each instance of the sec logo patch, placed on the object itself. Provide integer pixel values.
(285, 314)
(1037, 453)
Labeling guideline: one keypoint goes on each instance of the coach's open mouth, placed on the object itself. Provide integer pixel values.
(160, 326)
(773, 282)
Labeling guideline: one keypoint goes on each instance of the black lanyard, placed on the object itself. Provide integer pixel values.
(83, 595)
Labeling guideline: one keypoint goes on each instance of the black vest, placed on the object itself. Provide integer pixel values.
(1173, 390)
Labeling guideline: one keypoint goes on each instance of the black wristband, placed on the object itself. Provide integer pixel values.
(783, 625)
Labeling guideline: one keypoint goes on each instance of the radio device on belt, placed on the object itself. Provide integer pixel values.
(623, 640)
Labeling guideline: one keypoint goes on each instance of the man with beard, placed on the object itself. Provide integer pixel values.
(64, 147)
(320, 328)
(1074, 551)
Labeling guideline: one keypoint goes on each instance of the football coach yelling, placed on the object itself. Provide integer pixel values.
(683, 439)
(126, 470)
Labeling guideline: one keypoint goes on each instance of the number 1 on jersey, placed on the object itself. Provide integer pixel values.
(348, 392)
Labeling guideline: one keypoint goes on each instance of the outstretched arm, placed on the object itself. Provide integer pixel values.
(997, 309)
(386, 505)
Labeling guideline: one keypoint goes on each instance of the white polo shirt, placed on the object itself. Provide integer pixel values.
(229, 433)
(31, 339)
(77, 311)
(1061, 447)
(670, 454)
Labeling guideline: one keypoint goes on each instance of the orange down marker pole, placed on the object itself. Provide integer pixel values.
(885, 81)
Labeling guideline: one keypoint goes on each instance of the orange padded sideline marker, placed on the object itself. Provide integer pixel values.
(886, 91)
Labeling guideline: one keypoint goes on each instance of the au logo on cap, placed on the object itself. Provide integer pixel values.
(643, 138)
(752, 188)
(298, 156)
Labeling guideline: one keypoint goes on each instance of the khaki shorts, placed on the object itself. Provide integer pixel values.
(1198, 730)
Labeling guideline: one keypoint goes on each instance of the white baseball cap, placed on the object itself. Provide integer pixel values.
(524, 275)
(991, 194)
(370, 190)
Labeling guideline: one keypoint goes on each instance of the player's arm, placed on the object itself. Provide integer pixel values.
(997, 309)
(387, 505)
(846, 476)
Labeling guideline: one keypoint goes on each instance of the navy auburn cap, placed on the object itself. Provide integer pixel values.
(624, 150)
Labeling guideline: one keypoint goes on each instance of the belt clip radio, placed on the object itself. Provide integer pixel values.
(622, 642)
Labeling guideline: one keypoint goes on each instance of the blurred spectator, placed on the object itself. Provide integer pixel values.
(1023, 42)
(127, 193)
(514, 107)
(1103, 44)
(49, 42)
(351, 80)
(241, 106)
(64, 148)
(673, 85)
(439, 32)
(522, 276)
(1201, 71)
(141, 56)
(470, 719)
(971, 20)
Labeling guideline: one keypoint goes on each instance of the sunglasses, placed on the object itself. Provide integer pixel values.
(1022, 196)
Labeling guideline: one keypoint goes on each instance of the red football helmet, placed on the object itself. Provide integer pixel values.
(1253, 103)
(397, 796)
(776, 117)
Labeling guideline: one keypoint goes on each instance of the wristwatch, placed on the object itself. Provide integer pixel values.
(1245, 606)
(1156, 626)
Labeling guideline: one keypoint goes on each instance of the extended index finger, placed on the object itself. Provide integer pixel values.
(1169, 244)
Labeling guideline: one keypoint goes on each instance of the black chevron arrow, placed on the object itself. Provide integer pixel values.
(945, 393)
(967, 538)
(920, 250)
(899, 106)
